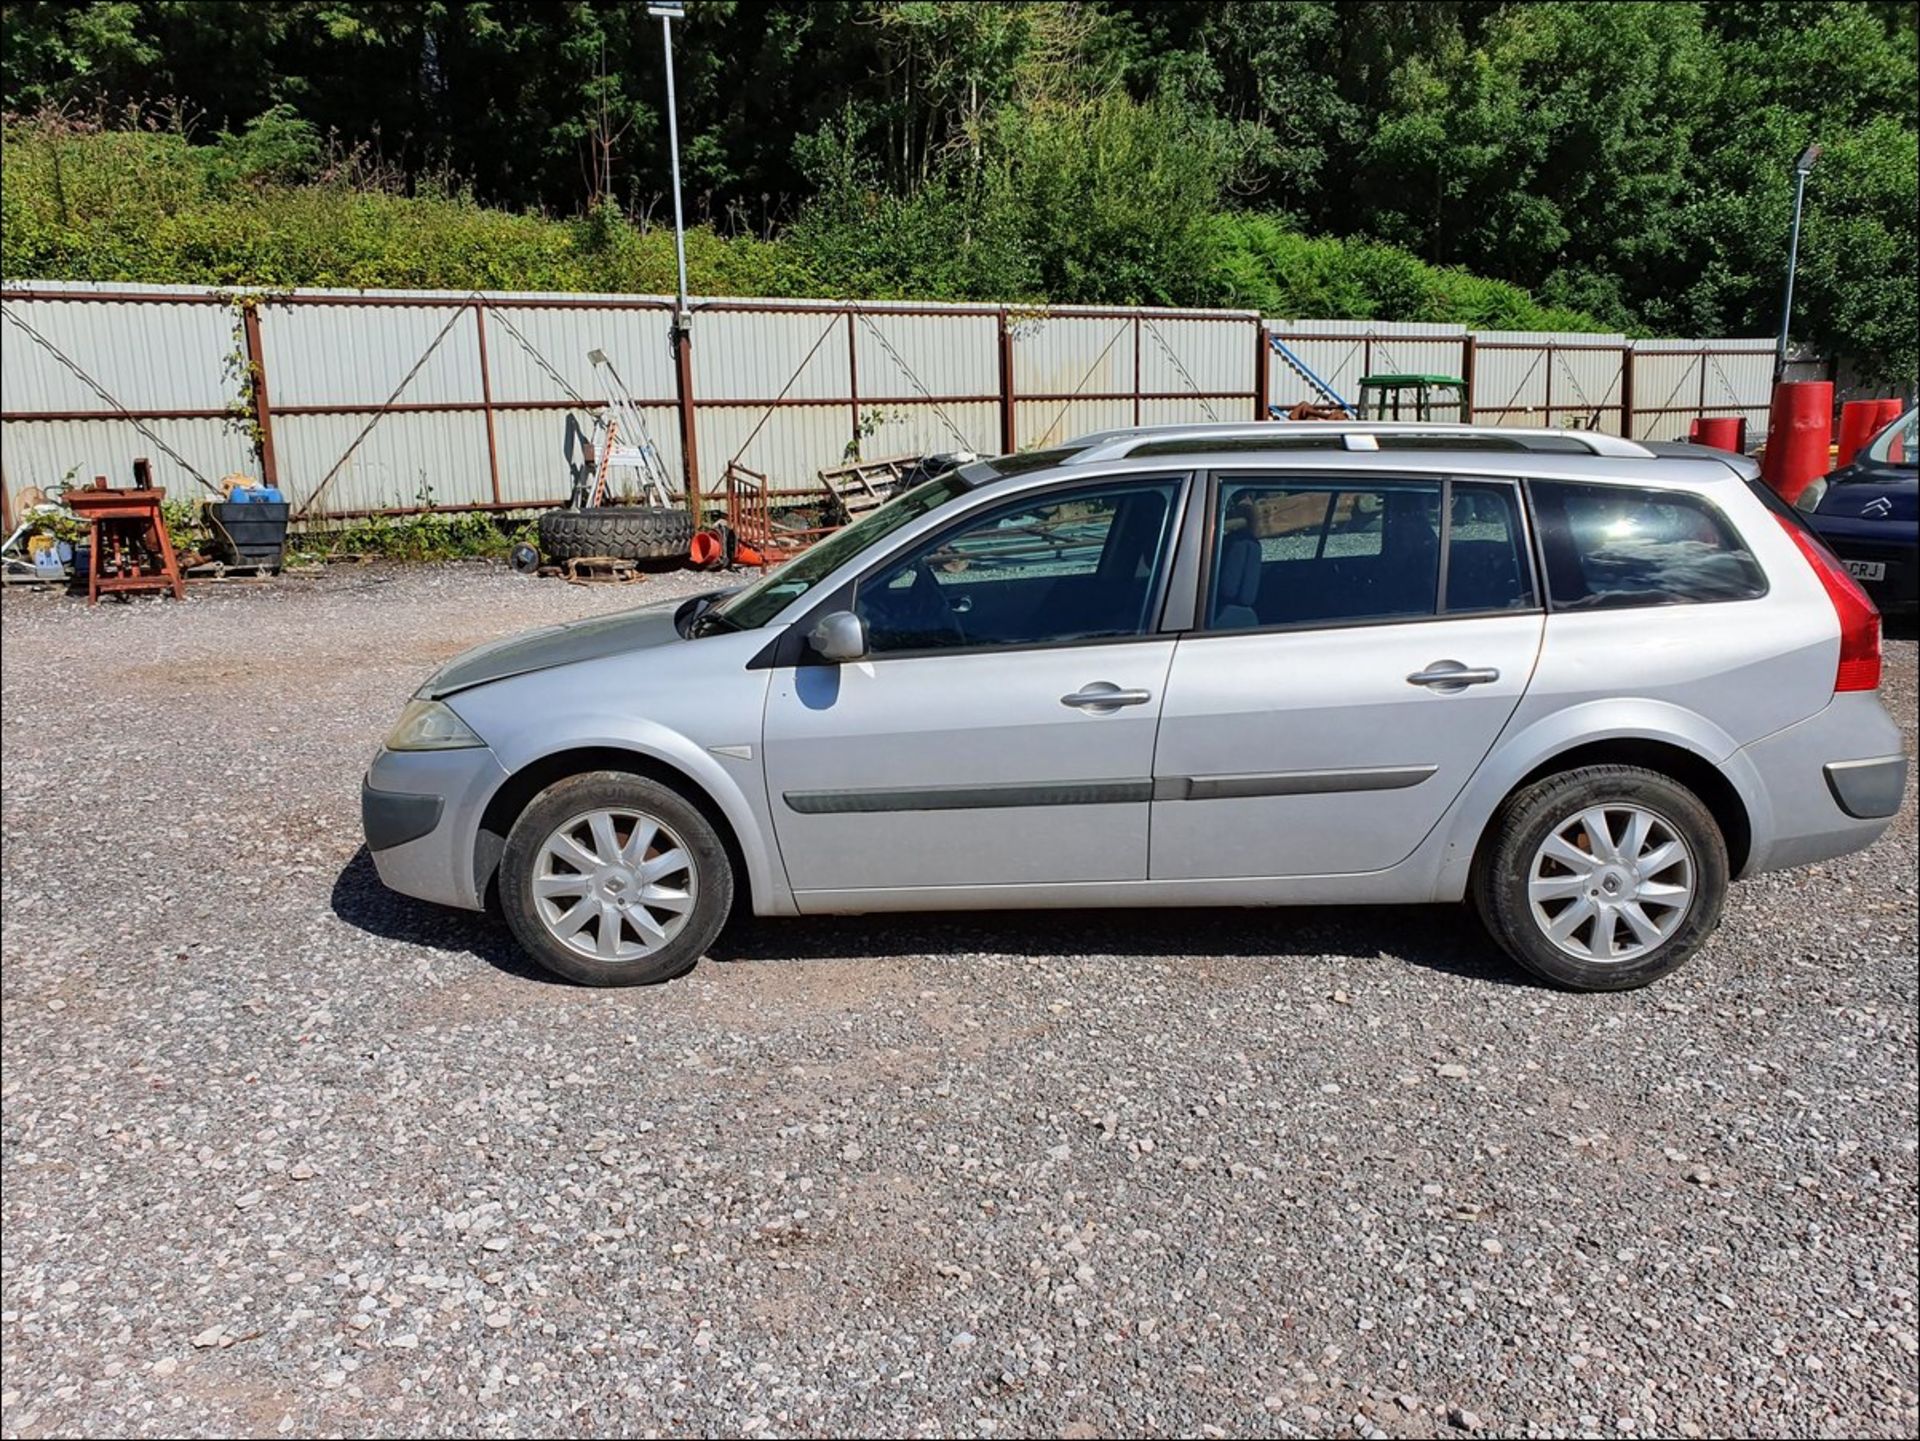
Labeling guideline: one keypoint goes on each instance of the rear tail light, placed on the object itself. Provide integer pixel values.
(1859, 616)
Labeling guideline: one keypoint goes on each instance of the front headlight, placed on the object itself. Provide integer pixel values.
(429, 725)
(1809, 499)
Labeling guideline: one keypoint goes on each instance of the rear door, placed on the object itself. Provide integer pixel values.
(1000, 729)
(1360, 644)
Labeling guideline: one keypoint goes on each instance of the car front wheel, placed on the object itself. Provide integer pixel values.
(1603, 878)
(611, 879)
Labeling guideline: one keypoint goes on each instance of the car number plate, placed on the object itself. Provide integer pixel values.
(1867, 569)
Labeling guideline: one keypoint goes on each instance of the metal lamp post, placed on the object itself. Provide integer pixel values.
(1801, 168)
(669, 11)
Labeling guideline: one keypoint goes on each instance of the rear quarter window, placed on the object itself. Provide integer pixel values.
(1610, 546)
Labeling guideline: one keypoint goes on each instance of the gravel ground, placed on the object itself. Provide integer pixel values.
(287, 1153)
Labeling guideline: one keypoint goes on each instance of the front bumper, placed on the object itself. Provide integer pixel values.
(392, 818)
(420, 811)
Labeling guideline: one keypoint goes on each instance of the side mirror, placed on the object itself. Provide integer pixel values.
(839, 635)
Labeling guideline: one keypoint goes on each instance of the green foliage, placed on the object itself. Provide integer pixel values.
(1625, 162)
(1262, 265)
(461, 536)
(187, 526)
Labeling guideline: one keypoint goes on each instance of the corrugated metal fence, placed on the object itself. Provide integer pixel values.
(359, 403)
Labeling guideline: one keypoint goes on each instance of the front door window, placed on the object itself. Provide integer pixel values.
(1066, 568)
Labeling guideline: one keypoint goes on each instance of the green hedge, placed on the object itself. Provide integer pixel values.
(152, 207)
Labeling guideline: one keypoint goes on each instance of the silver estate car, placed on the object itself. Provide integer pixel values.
(1585, 681)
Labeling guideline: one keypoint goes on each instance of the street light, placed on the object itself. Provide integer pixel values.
(669, 11)
(1801, 168)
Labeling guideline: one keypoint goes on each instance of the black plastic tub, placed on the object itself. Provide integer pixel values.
(251, 532)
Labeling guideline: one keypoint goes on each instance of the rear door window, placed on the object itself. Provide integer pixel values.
(1612, 546)
(1487, 568)
(1300, 552)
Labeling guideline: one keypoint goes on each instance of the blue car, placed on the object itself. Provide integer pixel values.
(1868, 513)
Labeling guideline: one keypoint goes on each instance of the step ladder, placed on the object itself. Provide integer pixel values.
(623, 442)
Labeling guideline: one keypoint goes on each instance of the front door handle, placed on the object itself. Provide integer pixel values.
(1104, 698)
(1449, 677)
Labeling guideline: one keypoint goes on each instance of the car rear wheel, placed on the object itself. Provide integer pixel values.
(612, 879)
(1603, 878)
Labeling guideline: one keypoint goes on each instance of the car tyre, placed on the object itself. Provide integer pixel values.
(647, 864)
(1561, 892)
(616, 532)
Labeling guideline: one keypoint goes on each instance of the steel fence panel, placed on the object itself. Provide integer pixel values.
(42, 452)
(410, 459)
(1042, 424)
(337, 355)
(147, 357)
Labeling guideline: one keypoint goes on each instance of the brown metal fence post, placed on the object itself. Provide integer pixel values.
(689, 439)
(853, 380)
(1008, 437)
(1468, 347)
(1137, 386)
(486, 400)
(1548, 412)
(1262, 360)
(262, 411)
(1626, 390)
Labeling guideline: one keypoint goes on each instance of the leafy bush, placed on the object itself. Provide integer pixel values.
(1111, 201)
(448, 536)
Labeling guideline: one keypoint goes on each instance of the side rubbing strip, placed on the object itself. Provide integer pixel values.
(1288, 783)
(967, 798)
(1104, 793)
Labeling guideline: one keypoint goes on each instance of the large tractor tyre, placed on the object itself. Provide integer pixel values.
(622, 532)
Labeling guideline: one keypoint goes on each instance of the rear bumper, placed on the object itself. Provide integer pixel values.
(1828, 786)
(1870, 789)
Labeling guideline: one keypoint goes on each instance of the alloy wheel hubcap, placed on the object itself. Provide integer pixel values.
(1611, 883)
(614, 884)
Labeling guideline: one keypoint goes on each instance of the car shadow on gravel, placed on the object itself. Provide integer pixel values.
(1437, 938)
(364, 903)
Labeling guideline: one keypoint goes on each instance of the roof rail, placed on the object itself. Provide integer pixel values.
(1356, 435)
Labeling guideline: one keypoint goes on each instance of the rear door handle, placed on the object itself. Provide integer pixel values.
(1104, 698)
(1450, 676)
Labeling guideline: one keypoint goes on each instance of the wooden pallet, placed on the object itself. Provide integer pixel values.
(238, 570)
(866, 484)
(597, 570)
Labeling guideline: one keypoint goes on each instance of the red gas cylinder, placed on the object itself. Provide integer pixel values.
(1722, 432)
(1859, 422)
(1890, 411)
(1799, 430)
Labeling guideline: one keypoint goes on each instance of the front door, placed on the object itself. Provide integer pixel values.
(1000, 729)
(1345, 683)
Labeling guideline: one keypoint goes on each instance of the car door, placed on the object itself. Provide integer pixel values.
(1000, 728)
(1361, 642)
